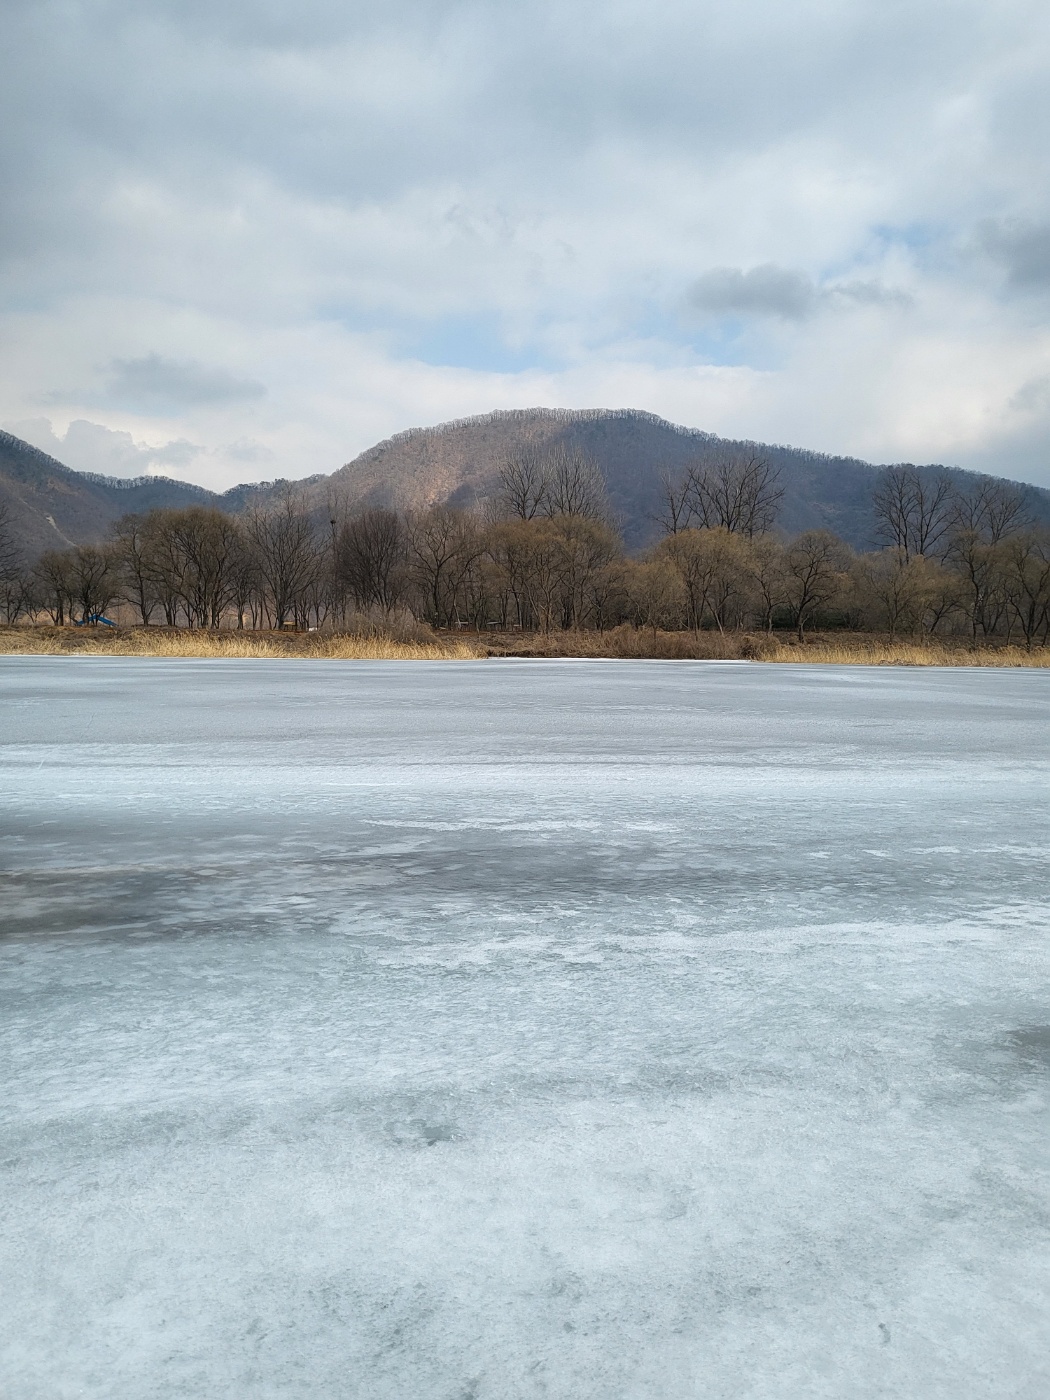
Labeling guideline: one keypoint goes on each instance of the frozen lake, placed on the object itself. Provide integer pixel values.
(577, 1030)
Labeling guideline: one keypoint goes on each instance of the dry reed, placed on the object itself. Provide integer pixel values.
(143, 641)
(843, 649)
(858, 652)
(622, 643)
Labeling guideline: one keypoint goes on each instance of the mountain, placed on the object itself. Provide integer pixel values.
(458, 463)
(51, 506)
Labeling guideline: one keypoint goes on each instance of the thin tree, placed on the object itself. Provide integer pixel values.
(16, 593)
(94, 581)
(575, 485)
(133, 541)
(712, 566)
(524, 485)
(675, 511)
(914, 511)
(1026, 569)
(768, 581)
(371, 558)
(10, 553)
(990, 510)
(897, 590)
(287, 556)
(53, 574)
(741, 496)
(815, 566)
(443, 546)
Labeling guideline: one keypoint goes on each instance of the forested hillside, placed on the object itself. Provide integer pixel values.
(459, 464)
(48, 505)
(543, 554)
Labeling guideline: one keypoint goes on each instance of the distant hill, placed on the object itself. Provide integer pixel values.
(52, 506)
(459, 463)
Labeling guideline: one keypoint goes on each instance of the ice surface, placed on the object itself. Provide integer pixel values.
(565, 1030)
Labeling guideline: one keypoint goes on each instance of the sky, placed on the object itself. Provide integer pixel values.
(246, 239)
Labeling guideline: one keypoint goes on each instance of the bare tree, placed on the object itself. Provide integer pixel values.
(575, 485)
(287, 557)
(206, 540)
(607, 594)
(676, 502)
(443, 546)
(133, 540)
(768, 578)
(543, 565)
(508, 547)
(371, 558)
(94, 583)
(914, 511)
(712, 566)
(587, 547)
(898, 591)
(16, 591)
(976, 563)
(525, 485)
(1026, 569)
(245, 584)
(53, 573)
(815, 567)
(990, 510)
(10, 554)
(740, 496)
(654, 591)
(164, 565)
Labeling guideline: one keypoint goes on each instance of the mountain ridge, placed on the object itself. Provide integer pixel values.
(457, 462)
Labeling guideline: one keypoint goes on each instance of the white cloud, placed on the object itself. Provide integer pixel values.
(92, 447)
(305, 229)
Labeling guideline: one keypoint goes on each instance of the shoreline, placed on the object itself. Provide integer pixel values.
(623, 643)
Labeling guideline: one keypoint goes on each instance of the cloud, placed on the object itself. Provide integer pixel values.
(763, 291)
(92, 447)
(310, 226)
(1022, 248)
(153, 383)
(769, 290)
(247, 450)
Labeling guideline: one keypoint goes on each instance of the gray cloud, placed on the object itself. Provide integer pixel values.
(769, 290)
(1021, 247)
(213, 176)
(762, 291)
(155, 383)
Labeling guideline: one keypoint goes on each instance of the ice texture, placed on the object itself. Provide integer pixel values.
(572, 1029)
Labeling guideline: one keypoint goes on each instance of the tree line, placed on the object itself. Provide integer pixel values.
(545, 554)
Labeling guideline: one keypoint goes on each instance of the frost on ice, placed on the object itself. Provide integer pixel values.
(507, 1030)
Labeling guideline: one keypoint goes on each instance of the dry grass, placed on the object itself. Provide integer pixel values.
(641, 643)
(159, 641)
(874, 652)
(839, 649)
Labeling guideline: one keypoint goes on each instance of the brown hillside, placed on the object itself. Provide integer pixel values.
(51, 506)
(459, 463)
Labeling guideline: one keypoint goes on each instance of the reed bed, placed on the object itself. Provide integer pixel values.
(150, 641)
(858, 652)
(621, 643)
(838, 650)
